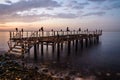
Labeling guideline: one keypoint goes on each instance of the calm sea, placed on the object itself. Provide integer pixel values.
(105, 54)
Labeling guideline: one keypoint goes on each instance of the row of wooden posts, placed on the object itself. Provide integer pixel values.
(89, 38)
(41, 33)
(77, 44)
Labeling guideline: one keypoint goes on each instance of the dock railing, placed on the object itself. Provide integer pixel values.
(27, 34)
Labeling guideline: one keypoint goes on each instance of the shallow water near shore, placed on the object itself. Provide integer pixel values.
(103, 56)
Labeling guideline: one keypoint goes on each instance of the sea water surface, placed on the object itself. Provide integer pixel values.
(105, 54)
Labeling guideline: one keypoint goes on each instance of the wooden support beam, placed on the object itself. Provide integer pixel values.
(58, 51)
(61, 45)
(35, 51)
(42, 49)
(97, 39)
(69, 47)
(76, 45)
(86, 42)
(53, 47)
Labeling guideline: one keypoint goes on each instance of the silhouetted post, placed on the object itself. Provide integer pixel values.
(73, 42)
(52, 32)
(90, 41)
(69, 46)
(94, 40)
(76, 47)
(97, 38)
(67, 30)
(47, 45)
(42, 31)
(53, 47)
(38, 48)
(22, 51)
(16, 29)
(41, 48)
(86, 42)
(61, 45)
(79, 29)
(81, 42)
(39, 32)
(58, 48)
(13, 35)
(35, 51)
(22, 32)
(10, 35)
(28, 50)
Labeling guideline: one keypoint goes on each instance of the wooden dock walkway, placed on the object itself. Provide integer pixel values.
(21, 42)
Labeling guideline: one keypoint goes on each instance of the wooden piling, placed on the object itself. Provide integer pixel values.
(35, 51)
(42, 48)
(53, 47)
(69, 47)
(76, 45)
(86, 42)
(58, 37)
(58, 51)
(81, 42)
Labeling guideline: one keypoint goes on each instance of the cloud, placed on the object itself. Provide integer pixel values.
(94, 14)
(7, 1)
(9, 11)
(116, 5)
(112, 6)
(66, 15)
(35, 17)
(97, 0)
(26, 5)
(77, 5)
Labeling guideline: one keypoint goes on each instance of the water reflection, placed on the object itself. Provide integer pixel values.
(71, 51)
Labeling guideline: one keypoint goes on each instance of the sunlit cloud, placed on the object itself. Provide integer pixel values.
(94, 14)
(54, 12)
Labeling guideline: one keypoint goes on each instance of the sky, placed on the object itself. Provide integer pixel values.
(59, 14)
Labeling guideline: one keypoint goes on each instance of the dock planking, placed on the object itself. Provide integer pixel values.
(21, 42)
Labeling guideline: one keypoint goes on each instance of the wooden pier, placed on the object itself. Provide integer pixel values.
(21, 42)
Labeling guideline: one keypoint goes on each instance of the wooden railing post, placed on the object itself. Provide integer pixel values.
(10, 35)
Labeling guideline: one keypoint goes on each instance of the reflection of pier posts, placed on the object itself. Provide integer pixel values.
(47, 45)
(53, 47)
(73, 42)
(38, 48)
(94, 40)
(86, 42)
(58, 51)
(76, 45)
(28, 49)
(69, 46)
(58, 47)
(61, 45)
(90, 40)
(81, 43)
(97, 39)
(35, 51)
(42, 48)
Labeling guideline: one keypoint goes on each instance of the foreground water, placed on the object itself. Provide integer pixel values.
(105, 55)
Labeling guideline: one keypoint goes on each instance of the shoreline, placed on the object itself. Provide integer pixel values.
(50, 71)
